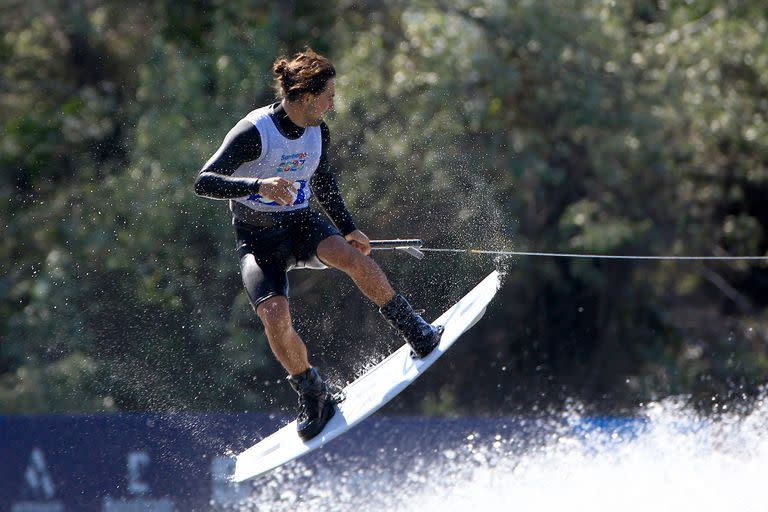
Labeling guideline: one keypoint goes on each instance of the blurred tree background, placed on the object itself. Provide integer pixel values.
(591, 126)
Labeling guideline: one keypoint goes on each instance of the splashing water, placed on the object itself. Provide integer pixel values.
(676, 462)
(666, 459)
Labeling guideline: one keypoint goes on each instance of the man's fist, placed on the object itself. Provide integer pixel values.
(279, 190)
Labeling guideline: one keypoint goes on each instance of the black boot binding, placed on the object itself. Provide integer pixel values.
(315, 403)
(421, 336)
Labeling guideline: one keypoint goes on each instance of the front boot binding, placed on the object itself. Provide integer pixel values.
(420, 335)
(315, 403)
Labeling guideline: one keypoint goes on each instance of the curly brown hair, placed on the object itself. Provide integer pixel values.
(307, 72)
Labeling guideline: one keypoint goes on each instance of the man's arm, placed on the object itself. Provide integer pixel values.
(242, 144)
(326, 189)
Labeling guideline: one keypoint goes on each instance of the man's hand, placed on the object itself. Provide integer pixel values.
(359, 241)
(279, 190)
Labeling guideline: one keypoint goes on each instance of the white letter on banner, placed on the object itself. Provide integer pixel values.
(224, 492)
(37, 477)
(138, 462)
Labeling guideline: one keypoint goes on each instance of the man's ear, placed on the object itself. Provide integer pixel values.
(307, 97)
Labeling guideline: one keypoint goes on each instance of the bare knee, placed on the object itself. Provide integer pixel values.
(275, 314)
(336, 252)
(353, 262)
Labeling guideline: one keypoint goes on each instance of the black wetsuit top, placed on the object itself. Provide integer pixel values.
(243, 144)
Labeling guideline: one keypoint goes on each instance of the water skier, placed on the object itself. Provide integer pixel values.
(268, 166)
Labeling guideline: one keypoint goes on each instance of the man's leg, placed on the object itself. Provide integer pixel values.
(266, 283)
(364, 271)
(368, 276)
(315, 400)
(283, 339)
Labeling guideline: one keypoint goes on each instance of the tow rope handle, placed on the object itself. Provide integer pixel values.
(410, 246)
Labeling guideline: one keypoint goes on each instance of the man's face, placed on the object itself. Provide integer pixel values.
(315, 107)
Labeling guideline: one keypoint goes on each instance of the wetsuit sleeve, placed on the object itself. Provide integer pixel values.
(326, 189)
(242, 144)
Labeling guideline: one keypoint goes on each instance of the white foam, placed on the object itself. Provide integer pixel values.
(679, 461)
(671, 460)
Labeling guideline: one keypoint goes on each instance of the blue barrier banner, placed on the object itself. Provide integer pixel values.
(182, 462)
(122, 462)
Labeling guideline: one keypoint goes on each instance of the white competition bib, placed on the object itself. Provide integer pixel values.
(295, 160)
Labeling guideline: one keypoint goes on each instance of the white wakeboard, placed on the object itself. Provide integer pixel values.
(370, 392)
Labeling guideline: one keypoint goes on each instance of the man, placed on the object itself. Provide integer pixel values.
(267, 167)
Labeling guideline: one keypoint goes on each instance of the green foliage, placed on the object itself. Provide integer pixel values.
(582, 126)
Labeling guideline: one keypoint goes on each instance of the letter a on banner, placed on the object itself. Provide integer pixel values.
(37, 478)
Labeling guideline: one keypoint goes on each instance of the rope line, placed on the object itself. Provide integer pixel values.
(599, 256)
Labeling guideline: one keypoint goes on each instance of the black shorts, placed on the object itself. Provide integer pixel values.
(286, 241)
